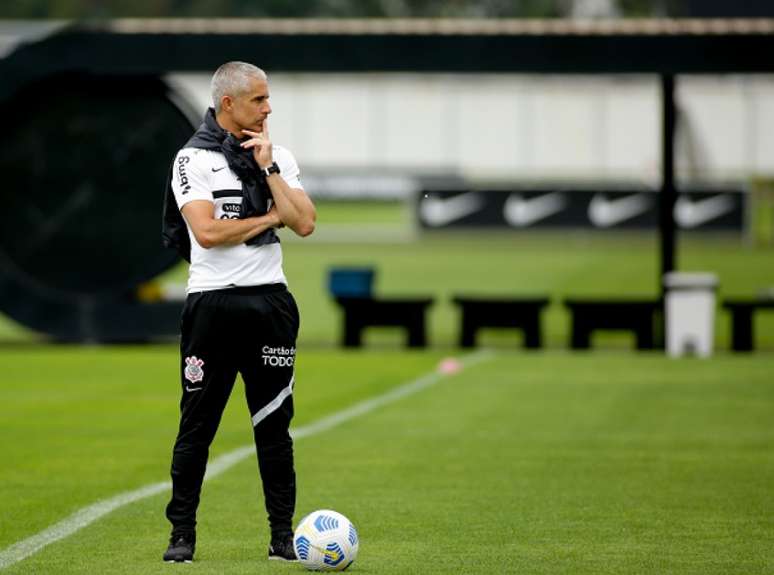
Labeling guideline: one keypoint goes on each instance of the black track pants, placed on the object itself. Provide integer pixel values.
(250, 330)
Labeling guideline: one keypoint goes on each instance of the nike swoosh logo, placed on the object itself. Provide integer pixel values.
(521, 212)
(605, 213)
(436, 211)
(690, 214)
(219, 169)
(193, 388)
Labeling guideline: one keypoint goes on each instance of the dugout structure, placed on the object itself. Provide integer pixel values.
(93, 128)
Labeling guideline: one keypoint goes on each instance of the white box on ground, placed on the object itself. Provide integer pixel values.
(690, 313)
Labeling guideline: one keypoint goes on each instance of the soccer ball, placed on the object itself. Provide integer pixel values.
(325, 541)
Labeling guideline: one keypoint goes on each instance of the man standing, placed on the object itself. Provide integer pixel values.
(233, 189)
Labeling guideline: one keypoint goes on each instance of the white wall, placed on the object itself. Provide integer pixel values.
(516, 126)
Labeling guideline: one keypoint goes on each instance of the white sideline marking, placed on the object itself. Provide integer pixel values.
(88, 515)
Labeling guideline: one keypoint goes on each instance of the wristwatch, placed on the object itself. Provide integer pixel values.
(273, 169)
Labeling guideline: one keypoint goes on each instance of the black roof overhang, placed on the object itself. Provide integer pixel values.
(109, 48)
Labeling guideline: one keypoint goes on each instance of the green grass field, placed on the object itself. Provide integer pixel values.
(553, 462)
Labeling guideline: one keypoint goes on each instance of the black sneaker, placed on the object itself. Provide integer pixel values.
(181, 548)
(282, 550)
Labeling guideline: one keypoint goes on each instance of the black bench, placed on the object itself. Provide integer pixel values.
(519, 313)
(362, 312)
(742, 320)
(352, 288)
(635, 315)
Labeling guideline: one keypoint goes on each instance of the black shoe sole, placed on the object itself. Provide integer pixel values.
(178, 560)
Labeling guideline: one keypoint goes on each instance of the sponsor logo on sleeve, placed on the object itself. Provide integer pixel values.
(182, 176)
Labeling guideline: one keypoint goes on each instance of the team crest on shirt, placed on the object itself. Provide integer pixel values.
(193, 369)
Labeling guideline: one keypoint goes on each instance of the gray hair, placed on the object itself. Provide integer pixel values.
(233, 79)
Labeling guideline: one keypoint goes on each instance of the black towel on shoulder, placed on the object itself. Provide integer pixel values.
(255, 191)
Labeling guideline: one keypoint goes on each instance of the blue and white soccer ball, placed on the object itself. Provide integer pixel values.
(326, 541)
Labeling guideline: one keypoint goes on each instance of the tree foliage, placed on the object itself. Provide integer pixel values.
(76, 9)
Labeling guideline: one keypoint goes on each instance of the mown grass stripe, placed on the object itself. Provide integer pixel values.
(88, 515)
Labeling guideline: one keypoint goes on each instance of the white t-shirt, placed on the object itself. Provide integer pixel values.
(204, 175)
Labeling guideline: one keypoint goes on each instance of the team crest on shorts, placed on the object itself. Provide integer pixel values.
(193, 369)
